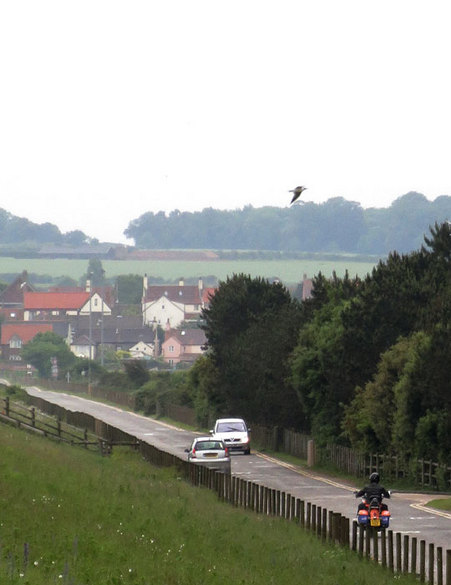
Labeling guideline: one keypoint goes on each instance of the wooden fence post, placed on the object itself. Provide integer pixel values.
(405, 564)
(324, 525)
(354, 536)
(302, 512)
(440, 565)
(431, 560)
(309, 514)
(391, 560)
(448, 567)
(422, 560)
(375, 546)
(384, 549)
(413, 560)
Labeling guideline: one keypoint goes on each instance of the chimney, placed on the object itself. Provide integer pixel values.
(181, 281)
(145, 285)
(88, 285)
(200, 285)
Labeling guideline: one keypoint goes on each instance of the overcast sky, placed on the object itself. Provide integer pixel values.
(111, 109)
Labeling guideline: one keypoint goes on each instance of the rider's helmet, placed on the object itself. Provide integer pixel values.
(374, 478)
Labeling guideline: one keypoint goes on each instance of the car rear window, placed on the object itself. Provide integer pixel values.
(205, 445)
(231, 427)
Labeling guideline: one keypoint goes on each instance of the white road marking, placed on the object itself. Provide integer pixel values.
(424, 508)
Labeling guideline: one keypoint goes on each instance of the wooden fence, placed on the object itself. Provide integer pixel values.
(398, 552)
(75, 428)
(21, 416)
(422, 472)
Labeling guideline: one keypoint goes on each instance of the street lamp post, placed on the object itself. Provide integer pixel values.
(90, 333)
(101, 322)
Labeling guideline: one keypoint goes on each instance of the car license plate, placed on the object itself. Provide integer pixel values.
(210, 455)
(375, 522)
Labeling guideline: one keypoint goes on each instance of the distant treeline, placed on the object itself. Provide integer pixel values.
(334, 226)
(24, 233)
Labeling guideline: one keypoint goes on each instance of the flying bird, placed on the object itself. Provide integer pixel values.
(296, 193)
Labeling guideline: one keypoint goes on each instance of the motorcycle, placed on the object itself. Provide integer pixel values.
(373, 514)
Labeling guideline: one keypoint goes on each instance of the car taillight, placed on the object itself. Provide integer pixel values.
(193, 453)
(226, 451)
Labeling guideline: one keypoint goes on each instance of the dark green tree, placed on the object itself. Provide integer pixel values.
(136, 372)
(251, 327)
(95, 272)
(129, 289)
(45, 346)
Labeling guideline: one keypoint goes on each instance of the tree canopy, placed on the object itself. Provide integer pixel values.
(363, 362)
(336, 225)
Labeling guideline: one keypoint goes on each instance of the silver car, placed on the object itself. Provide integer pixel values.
(211, 453)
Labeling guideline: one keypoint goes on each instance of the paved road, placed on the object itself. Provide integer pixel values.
(409, 516)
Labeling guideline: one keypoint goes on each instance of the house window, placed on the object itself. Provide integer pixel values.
(15, 343)
(171, 349)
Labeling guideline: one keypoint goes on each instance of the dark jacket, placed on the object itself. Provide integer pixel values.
(373, 490)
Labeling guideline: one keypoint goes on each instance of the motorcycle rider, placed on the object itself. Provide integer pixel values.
(373, 490)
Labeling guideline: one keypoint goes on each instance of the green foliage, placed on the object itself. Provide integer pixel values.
(45, 346)
(161, 388)
(137, 372)
(336, 225)
(203, 379)
(129, 288)
(95, 272)
(251, 327)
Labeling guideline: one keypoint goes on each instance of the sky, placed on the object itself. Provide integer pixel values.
(109, 109)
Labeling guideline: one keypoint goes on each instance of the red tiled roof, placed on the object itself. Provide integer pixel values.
(207, 294)
(25, 331)
(54, 300)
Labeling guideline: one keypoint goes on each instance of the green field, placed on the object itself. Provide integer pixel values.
(288, 271)
(72, 517)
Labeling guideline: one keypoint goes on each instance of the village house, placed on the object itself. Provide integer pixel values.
(15, 335)
(58, 304)
(183, 345)
(171, 305)
(114, 332)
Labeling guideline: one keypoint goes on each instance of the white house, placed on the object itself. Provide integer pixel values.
(170, 305)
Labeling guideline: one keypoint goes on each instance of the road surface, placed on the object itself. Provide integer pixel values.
(408, 512)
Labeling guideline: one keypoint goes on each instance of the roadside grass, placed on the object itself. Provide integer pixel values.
(441, 504)
(72, 517)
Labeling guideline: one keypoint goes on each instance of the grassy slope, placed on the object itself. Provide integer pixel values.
(69, 516)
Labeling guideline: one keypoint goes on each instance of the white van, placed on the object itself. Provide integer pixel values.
(234, 433)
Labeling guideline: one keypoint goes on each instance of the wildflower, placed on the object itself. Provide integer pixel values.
(36, 563)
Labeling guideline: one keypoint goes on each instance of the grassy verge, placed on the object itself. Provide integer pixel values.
(441, 504)
(72, 517)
